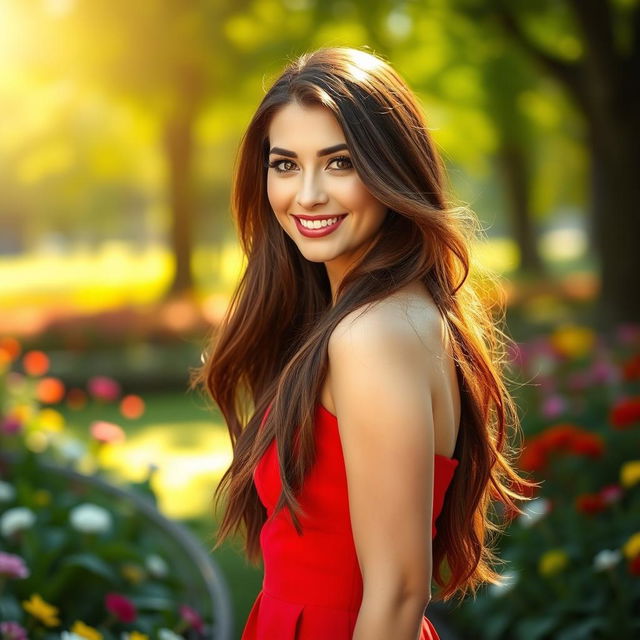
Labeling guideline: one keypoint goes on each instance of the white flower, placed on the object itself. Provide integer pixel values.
(156, 566)
(534, 511)
(606, 559)
(167, 634)
(71, 450)
(7, 492)
(70, 635)
(90, 518)
(509, 579)
(16, 519)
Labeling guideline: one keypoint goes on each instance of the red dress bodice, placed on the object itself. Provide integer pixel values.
(312, 586)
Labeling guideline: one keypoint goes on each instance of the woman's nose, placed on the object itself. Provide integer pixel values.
(311, 191)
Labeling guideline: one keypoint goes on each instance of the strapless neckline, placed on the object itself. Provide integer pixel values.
(334, 418)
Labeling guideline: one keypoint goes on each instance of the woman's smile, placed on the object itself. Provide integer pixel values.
(318, 226)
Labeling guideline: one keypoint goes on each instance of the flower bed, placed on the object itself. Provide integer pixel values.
(81, 557)
(573, 559)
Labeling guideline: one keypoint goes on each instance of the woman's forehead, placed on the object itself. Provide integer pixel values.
(303, 128)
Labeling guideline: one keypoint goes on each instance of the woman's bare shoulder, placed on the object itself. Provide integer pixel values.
(409, 316)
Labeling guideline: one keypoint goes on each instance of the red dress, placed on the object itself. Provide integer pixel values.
(312, 586)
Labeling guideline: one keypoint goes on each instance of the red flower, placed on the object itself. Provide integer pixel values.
(192, 618)
(560, 438)
(587, 444)
(121, 607)
(634, 565)
(631, 368)
(590, 503)
(625, 413)
(534, 456)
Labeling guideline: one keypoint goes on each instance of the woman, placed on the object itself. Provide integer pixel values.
(369, 360)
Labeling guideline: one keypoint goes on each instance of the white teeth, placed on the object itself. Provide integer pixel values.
(317, 224)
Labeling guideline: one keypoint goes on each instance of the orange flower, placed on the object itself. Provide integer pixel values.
(132, 406)
(625, 413)
(50, 390)
(11, 347)
(35, 363)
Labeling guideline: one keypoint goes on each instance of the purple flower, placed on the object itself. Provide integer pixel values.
(12, 631)
(13, 566)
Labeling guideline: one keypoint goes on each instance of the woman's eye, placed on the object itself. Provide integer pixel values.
(277, 165)
(343, 162)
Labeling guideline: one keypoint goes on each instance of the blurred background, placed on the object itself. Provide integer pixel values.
(118, 254)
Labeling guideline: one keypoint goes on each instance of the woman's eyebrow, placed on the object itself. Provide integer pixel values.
(322, 152)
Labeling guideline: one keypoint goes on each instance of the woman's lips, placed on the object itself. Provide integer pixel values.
(322, 231)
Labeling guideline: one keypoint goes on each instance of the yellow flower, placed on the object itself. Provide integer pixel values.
(630, 473)
(132, 573)
(573, 341)
(43, 611)
(22, 412)
(51, 420)
(136, 635)
(631, 547)
(85, 631)
(552, 562)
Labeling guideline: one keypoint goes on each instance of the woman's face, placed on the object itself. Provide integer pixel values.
(311, 178)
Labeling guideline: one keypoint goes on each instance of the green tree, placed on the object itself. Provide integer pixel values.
(592, 49)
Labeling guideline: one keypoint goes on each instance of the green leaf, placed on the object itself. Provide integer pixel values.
(583, 629)
(90, 563)
(534, 628)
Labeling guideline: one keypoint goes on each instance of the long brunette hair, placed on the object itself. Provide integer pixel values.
(271, 347)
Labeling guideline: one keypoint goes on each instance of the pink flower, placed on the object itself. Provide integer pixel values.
(553, 406)
(192, 618)
(611, 493)
(10, 425)
(107, 432)
(12, 631)
(628, 333)
(13, 566)
(603, 372)
(121, 607)
(103, 388)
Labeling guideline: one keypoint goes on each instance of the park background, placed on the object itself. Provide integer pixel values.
(118, 254)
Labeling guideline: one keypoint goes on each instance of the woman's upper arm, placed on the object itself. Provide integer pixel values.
(381, 387)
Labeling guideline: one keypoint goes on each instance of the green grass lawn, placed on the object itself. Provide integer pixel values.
(190, 446)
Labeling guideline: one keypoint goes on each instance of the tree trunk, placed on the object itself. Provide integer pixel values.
(513, 165)
(615, 187)
(179, 144)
